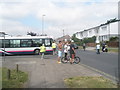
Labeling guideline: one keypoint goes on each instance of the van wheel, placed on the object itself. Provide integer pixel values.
(36, 52)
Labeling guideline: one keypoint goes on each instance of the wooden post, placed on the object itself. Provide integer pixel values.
(17, 67)
(8, 74)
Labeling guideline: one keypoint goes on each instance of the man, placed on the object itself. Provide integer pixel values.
(42, 50)
(59, 51)
(98, 48)
(84, 46)
(65, 50)
(72, 52)
(54, 47)
(103, 46)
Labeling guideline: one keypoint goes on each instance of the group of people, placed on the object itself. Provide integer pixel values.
(64, 47)
(67, 47)
(104, 48)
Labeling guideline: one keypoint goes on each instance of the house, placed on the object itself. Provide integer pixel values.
(66, 37)
(102, 32)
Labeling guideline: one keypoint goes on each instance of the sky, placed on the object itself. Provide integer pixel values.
(17, 17)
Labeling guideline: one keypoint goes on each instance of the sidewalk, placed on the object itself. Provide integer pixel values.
(48, 73)
(90, 48)
(94, 49)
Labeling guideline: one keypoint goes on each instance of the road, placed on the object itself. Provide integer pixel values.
(105, 62)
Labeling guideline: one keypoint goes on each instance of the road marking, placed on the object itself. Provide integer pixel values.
(109, 76)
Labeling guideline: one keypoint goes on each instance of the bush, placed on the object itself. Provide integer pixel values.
(114, 39)
(85, 40)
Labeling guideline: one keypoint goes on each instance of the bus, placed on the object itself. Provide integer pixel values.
(25, 45)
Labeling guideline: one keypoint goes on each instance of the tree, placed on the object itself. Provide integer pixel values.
(114, 39)
(31, 33)
(89, 40)
(75, 39)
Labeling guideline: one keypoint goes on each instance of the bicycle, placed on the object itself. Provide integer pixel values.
(76, 60)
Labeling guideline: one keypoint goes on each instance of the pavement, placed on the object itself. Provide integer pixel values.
(47, 73)
(94, 49)
(90, 48)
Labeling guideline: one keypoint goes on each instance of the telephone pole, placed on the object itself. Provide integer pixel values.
(63, 33)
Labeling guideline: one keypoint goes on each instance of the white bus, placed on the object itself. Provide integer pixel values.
(25, 45)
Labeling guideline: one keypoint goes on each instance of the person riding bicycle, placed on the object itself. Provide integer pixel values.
(72, 52)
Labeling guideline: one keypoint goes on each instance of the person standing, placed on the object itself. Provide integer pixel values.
(66, 50)
(42, 50)
(54, 47)
(72, 52)
(59, 51)
(98, 48)
(84, 46)
(103, 46)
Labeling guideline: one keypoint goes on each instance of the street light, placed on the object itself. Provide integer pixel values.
(43, 24)
(63, 33)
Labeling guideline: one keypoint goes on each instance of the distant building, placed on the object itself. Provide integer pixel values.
(66, 37)
(102, 32)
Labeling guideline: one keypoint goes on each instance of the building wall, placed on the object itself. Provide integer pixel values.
(103, 33)
(114, 28)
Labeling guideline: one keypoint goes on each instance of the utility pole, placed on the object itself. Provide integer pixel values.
(63, 33)
(43, 24)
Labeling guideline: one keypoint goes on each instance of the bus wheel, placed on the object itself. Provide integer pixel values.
(36, 52)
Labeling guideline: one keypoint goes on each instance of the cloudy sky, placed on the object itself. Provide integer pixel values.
(17, 17)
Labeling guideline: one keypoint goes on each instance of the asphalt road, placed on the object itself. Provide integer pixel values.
(105, 62)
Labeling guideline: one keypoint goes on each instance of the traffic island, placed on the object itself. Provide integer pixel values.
(89, 82)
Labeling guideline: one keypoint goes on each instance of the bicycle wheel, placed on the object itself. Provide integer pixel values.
(63, 60)
(77, 60)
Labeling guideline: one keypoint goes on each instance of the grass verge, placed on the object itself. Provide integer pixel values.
(17, 79)
(113, 50)
(89, 82)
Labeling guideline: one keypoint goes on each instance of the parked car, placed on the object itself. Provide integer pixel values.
(76, 46)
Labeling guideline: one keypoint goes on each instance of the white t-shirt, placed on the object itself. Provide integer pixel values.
(98, 46)
(65, 48)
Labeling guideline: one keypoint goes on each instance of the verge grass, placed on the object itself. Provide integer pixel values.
(17, 79)
(89, 82)
(110, 49)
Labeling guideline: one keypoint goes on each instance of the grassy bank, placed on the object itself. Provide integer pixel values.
(17, 79)
(110, 49)
(89, 82)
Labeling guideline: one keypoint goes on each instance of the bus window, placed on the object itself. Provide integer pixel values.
(36, 42)
(14, 43)
(47, 42)
(7, 43)
(26, 43)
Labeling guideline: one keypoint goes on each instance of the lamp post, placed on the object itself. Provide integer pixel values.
(43, 24)
(63, 33)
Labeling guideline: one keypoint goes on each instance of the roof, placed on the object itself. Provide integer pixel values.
(63, 38)
(25, 37)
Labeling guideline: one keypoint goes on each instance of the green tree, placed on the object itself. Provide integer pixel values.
(114, 39)
(75, 39)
